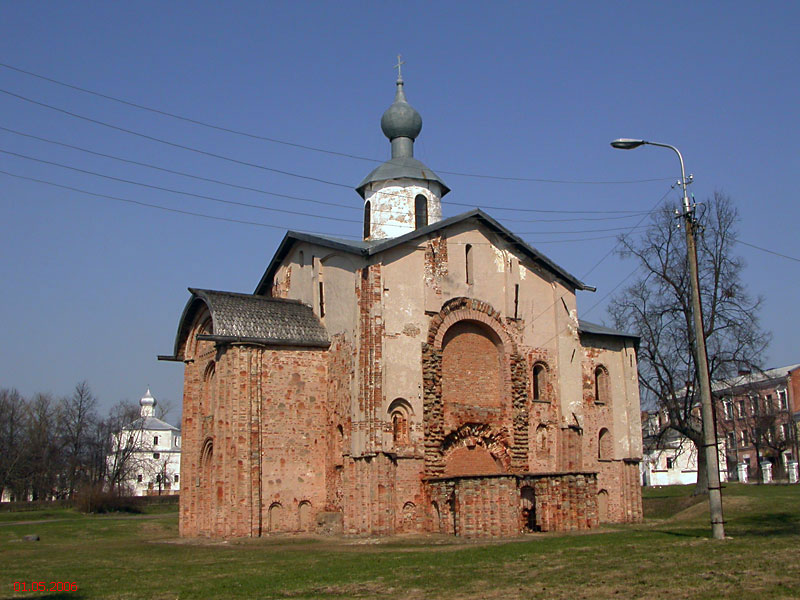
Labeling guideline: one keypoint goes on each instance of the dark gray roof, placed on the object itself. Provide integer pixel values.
(755, 378)
(247, 318)
(595, 329)
(371, 248)
(150, 423)
(406, 167)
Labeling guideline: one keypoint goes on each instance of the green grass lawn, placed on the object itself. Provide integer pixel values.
(670, 555)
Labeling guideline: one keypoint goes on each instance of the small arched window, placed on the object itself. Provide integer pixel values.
(420, 211)
(604, 447)
(540, 382)
(367, 216)
(399, 428)
(541, 439)
(468, 262)
(207, 452)
(400, 411)
(208, 393)
(601, 385)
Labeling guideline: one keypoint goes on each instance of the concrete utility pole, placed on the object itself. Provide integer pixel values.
(699, 347)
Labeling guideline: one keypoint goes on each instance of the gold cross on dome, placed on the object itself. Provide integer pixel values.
(397, 66)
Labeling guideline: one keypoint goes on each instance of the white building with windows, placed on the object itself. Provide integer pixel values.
(146, 455)
(669, 458)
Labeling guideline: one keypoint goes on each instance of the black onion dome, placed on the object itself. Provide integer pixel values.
(401, 119)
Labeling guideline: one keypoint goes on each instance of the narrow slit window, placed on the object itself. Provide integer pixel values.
(321, 300)
(601, 385)
(420, 211)
(367, 216)
(468, 261)
(539, 381)
(516, 301)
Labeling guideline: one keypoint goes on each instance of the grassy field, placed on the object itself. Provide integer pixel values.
(670, 555)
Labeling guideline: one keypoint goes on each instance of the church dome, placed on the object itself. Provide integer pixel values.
(148, 404)
(401, 119)
(401, 123)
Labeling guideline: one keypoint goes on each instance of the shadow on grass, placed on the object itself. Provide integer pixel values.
(768, 524)
(764, 525)
(687, 533)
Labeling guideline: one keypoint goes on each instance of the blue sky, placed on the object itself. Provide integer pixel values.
(94, 287)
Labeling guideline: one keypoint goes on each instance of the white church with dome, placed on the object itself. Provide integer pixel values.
(147, 453)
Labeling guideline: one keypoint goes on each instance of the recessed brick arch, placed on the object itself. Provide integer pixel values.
(468, 309)
(514, 375)
(471, 436)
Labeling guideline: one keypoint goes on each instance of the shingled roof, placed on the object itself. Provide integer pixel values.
(246, 318)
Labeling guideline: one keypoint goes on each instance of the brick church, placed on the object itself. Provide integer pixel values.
(433, 377)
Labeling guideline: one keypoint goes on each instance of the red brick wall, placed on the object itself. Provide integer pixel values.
(264, 417)
(283, 422)
(493, 506)
(471, 371)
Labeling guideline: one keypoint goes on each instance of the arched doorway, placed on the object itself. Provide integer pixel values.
(602, 506)
(275, 517)
(304, 516)
(528, 508)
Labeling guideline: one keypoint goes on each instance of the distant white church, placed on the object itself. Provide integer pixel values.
(146, 454)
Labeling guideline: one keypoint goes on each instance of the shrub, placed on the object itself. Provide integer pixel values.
(94, 499)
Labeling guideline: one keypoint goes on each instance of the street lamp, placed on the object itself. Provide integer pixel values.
(699, 347)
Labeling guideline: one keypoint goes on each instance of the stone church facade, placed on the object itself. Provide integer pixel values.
(433, 377)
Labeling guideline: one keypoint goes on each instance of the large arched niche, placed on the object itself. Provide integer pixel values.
(472, 366)
(472, 374)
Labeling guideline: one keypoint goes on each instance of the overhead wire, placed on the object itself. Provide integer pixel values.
(308, 147)
(768, 251)
(292, 197)
(157, 206)
(250, 205)
(256, 165)
(176, 172)
(173, 191)
(173, 144)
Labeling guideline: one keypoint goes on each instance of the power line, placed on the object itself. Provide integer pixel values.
(156, 206)
(563, 181)
(738, 241)
(170, 190)
(174, 172)
(612, 290)
(577, 231)
(249, 205)
(173, 144)
(550, 211)
(206, 216)
(307, 147)
(303, 199)
(649, 212)
(188, 119)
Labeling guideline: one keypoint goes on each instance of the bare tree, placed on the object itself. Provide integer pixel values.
(658, 307)
(125, 437)
(43, 457)
(163, 409)
(12, 445)
(78, 422)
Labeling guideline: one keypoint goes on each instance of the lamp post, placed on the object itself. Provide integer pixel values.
(699, 347)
